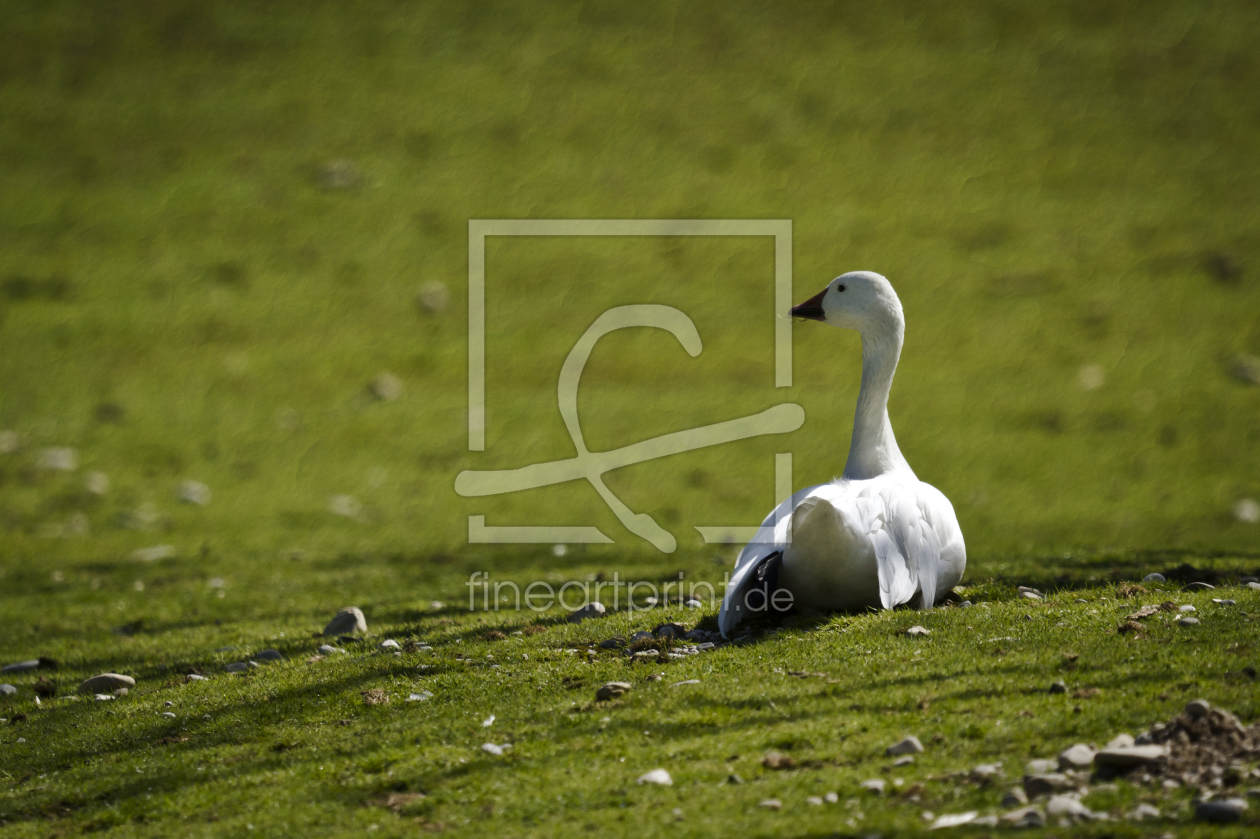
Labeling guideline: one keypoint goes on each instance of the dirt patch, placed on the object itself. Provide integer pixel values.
(1206, 749)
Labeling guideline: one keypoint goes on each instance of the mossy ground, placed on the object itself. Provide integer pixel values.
(1063, 194)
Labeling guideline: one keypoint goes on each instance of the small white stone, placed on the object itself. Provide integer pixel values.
(1145, 811)
(153, 554)
(488, 721)
(1247, 510)
(905, 746)
(656, 776)
(422, 696)
(61, 459)
(1091, 377)
(954, 819)
(432, 297)
(349, 620)
(1121, 741)
(388, 644)
(594, 609)
(771, 804)
(1188, 608)
(168, 715)
(193, 492)
(814, 801)
(693, 604)
(345, 505)
(1154, 578)
(832, 797)
(387, 387)
(96, 483)
(492, 748)
(918, 630)
(875, 785)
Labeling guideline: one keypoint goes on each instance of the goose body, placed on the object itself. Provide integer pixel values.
(877, 537)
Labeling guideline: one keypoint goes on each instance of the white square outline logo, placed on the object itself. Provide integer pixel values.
(778, 419)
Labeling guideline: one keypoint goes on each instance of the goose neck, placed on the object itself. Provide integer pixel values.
(874, 450)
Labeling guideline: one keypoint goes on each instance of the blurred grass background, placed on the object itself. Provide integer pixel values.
(217, 217)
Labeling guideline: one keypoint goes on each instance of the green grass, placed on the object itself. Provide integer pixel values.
(1048, 186)
(293, 747)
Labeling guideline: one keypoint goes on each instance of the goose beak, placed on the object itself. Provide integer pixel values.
(811, 309)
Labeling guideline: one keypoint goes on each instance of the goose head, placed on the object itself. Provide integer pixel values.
(860, 300)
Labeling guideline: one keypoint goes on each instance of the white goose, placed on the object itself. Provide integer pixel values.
(876, 537)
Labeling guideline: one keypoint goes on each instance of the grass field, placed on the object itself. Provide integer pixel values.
(217, 219)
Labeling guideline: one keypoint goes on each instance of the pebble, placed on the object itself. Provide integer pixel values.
(814, 800)
(7, 690)
(1188, 608)
(494, 749)
(1254, 585)
(906, 746)
(347, 621)
(1154, 578)
(656, 776)
(1120, 741)
(239, 666)
(1198, 587)
(1047, 784)
(771, 804)
(339, 174)
(693, 604)
(1220, 812)
(329, 649)
(612, 643)
(611, 690)
(642, 636)
(1144, 811)
(904, 761)
(1067, 807)
(168, 715)
(21, 666)
(705, 647)
(1129, 757)
(697, 635)
(685, 682)
(875, 785)
(984, 773)
(154, 553)
(193, 492)
(954, 819)
(1196, 708)
(1223, 602)
(1041, 767)
(832, 797)
(1025, 817)
(1058, 687)
(1015, 797)
(120, 692)
(106, 683)
(388, 644)
(590, 610)
(58, 459)
(104, 697)
(1188, 622)
(422, 696)
(432, 297)
(918, 630)
(386, 387)
(269, 655)
(966, 604)
(1079, 756)
(646, 655)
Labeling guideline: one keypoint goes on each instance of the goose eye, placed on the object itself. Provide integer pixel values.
(840, 287)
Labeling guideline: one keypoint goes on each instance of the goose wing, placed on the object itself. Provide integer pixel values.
(770, 539)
